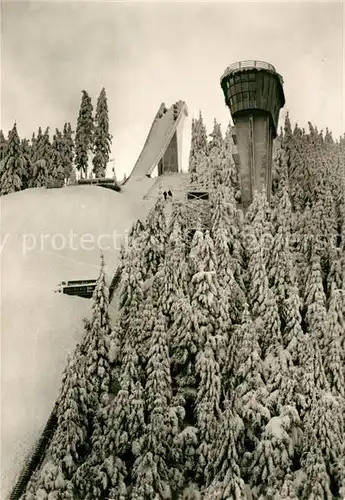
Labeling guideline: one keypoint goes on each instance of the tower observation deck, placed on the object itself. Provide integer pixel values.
(253, 91)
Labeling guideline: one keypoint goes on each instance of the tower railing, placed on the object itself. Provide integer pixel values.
(248, 64)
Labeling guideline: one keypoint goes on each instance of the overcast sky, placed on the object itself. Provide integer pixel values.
(148, 53)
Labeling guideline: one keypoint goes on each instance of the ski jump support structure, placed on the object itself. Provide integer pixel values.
(162, 154)
(253, 91)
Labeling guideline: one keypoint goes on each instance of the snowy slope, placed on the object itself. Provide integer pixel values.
(177, 183)
(39, 327)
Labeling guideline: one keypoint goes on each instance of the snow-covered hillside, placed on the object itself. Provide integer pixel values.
(46, 238)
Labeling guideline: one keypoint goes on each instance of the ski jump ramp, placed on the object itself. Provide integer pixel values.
(36, 342)
(163, 147)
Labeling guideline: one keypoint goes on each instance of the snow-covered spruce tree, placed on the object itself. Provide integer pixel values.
(43, 158)
(315, 302)
(97, 342)
(118, 442)
(309, 374)
(152, 303)
(261, 299)
(97, 371)
(131, 299)
(150, 472)
(3, 146)
(327, 420)
(256, 279)
(273, 457)
(248, 391)
(27, 170)
(136, 229)
(221, 225)
(324, 224)
(192, 152)
(179, 217)
(291, 145)
(219, 162)
(136, 446)
(272, 340)
(332, 352)
(258, 217)
(184, 343)
(323, 447)
(340, 202)
(316, 482)
(105, 473)
(205, 297)
(84, 134)
(224, 473)
(336, 274)
(216, 135)
(205, 288)
(58, 171)
(198, 151)
(71, 441)
(236, 242)
(131, 291)
(291, 321)
(280, 265)
(33, 144)
(126, 246)
(39, 164)
(102, 137)
(280, 378)
(207, 403)
(124, 430)
(68, 151)
(198, 142)
(280, 175)
(183, 347)
(175, 271)
(152, 240)
(302, 242)
(12, 165)
(45, 148)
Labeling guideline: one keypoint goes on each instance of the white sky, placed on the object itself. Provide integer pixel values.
(148, 53)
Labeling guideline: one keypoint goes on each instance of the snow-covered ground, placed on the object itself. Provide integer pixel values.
(50, 235)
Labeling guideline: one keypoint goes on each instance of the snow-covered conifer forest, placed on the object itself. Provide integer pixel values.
(42, 160)
(223, 376)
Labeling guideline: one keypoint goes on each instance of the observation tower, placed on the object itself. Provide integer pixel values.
(254, 93)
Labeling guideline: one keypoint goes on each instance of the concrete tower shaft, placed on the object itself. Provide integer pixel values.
(254, 93)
